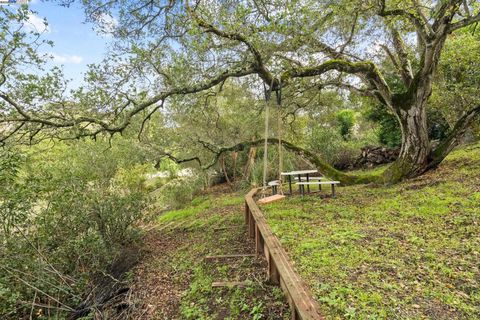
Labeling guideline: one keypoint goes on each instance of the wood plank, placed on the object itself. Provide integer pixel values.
(229, 284)
(293, 286)
(228, 227)
(298, 172)
(316, 182)
(231, 256)
(310, 178)
(273, 183)
(270, 199)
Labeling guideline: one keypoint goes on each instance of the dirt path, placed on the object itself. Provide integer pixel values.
(174, 281)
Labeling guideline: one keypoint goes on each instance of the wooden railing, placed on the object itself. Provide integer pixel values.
(280, 269)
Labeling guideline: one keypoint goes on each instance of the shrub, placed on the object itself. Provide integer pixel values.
(389, 132)
(331, 146)
(180, 190)
(346, 121)
(66, 216)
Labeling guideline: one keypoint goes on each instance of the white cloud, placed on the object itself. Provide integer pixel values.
(36, 24)
(27, 1)
(65, 58)
(106, 23)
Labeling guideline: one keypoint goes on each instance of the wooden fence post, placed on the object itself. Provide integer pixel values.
(247, 213)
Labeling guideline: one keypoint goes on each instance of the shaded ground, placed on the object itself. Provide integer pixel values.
(409, 251)
(173, 281)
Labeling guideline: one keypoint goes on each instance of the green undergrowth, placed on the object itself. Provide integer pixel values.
(198, 230)
(408, 251)
(199, 205)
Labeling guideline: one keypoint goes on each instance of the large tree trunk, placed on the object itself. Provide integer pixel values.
(413, 159)
(411, 112)
(252, 152)
(416, 156)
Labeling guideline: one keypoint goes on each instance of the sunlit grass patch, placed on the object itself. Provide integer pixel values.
(230, 200)
(197, 206)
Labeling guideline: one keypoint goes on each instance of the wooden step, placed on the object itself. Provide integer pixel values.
(229, 284)
(238, 226)
(270, 199)
(231, 256)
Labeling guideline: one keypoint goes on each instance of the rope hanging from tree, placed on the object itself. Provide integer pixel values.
(265, 145)
(279, 133)
(268, 94)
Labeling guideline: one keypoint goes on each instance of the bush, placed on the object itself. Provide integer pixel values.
(66, 216)
(346, 121)
(180, 191)
(331, 146)
(389, 132)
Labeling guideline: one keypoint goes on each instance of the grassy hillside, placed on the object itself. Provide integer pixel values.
(409, 251)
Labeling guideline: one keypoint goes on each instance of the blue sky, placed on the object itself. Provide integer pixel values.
(76, 44)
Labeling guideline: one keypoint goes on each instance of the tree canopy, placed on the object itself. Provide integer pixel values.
(170, 51)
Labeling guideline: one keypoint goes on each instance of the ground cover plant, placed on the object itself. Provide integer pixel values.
(174, 281)
(408, 251)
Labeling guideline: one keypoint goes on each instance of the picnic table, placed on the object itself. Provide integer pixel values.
(299, 174)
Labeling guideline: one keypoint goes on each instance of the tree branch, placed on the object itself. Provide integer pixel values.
(114, 128)
(178, 160)
(420, 27)
(259, 62)
(321, 165)
(368, 92)
(366, 69)
(464, 22)
(405, 65)
(441, 18)
(454, 137)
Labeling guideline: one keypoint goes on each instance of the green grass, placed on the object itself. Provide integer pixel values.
(231, 200)
(197, 206)
(200, 204)
(408, 251)
(193, 227)
(374, 171)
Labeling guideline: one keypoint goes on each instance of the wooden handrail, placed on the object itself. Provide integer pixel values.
(280, 269)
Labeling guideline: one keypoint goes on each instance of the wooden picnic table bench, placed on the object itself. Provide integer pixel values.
(311, 178)
(302, 185)
(274, 184)
(298, 174)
